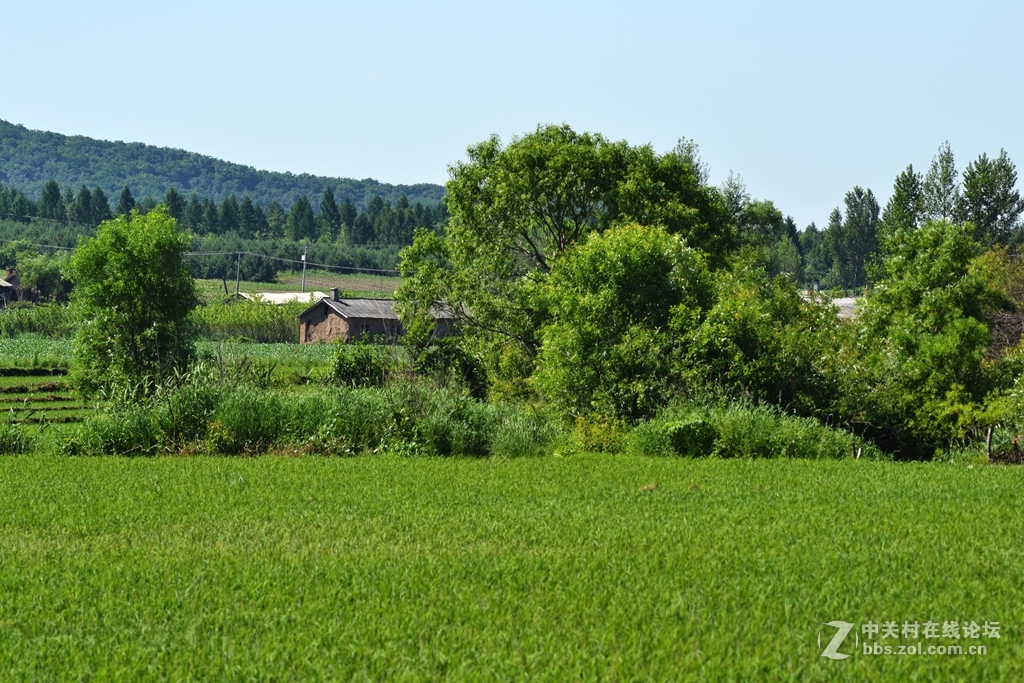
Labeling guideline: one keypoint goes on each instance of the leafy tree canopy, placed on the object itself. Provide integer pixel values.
(133, 293)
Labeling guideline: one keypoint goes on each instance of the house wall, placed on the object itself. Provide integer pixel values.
(375, 327)
(324, 325)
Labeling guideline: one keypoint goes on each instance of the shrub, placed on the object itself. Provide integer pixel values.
(457, 425)
(246, 421)
(742, 429)
(359, 365)
(693, 437)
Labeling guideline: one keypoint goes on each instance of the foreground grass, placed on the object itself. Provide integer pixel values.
(590, 568)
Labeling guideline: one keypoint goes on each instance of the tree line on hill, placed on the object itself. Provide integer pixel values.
(381, 223)
(28, 158)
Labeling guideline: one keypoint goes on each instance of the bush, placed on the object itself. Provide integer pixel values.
(693, 438)
(743, 430)
(457, 425)
(360, 365)
(246, 421)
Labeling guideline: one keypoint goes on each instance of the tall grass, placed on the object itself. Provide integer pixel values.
(251, 320)
(53, 321)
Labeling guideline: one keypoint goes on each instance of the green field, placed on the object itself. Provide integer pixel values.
(578, 568)
(366, 285)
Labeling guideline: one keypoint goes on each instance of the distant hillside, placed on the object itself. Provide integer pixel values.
(28, 158)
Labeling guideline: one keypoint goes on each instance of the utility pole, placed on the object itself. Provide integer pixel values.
(304, 268)
(238, 270)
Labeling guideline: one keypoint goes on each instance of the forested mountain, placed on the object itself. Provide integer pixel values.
(28, 158)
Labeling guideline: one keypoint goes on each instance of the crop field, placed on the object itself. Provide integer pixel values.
(34, 391)
(366, 285)
(286, 362)
(574, 568)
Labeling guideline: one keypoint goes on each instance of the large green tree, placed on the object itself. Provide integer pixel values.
(990, 199)
(941, 187)
(516, 209)
(301, 221)
(329, 217)
(852, 238)
(125, 203)
(905, 209)
(133, 293)
(51, 204)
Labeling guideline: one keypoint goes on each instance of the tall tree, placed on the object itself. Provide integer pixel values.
(211, 219)
(229, 214)
(348, 213)
(125, 203)
(990, 199)
(277, 219)
(301, 221)
(81, 210)
(175, 204)
(135, 292)
(100, 206)
(818, 260)
(193, 216)
(329, 218)
(251, 219)
(854, 241)
(51, 204)
(941, 186)
(905, 209)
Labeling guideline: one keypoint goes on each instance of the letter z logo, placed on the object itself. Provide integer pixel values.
(832, 649)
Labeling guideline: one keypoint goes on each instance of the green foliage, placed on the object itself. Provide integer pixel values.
(360, 364)
(13, 440)
(990, 199)
(941, 186)
(53, 321)
(133, 294)
(151, 171)
(760, 340)
(610, 302)
(743, 430)
(852, 239)
(446, 361)
(516, 209)
(693, 437)
(923, 379)
(906, 207)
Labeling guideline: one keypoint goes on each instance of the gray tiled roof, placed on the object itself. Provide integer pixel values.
(383, 309)
(363, 308)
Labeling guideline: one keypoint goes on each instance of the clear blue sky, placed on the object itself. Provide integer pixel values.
(803, 99)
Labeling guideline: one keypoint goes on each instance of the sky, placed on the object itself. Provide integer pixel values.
(804, 100)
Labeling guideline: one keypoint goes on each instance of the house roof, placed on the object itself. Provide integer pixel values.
(5, 283)
(383, 309)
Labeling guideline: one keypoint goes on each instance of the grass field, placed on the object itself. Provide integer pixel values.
(579, 568)
(366, 285)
